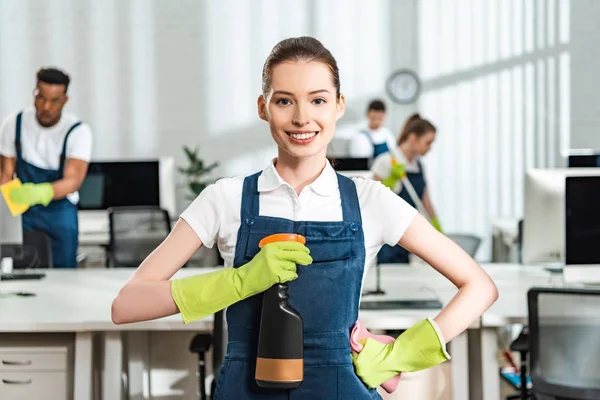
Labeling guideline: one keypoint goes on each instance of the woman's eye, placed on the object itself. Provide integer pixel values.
(319, 101)
(283, 102)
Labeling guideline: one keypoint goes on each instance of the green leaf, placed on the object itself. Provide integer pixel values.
(192, 155)
(194, 170)
(197, 187)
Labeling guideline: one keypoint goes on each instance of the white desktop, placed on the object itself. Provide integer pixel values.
(544, 225)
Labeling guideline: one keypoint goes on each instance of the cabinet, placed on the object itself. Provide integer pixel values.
(36, 367)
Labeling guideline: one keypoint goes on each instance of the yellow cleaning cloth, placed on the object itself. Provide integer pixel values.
(14, 208)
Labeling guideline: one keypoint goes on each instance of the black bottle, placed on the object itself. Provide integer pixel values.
(280, 358)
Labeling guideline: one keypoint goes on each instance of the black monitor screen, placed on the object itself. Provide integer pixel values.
(584, 161)
(582, 220)
(113, 184)
(350, 164)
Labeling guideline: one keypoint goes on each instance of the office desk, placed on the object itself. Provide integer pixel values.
(513, 282)
(89, 238)
(79, 301)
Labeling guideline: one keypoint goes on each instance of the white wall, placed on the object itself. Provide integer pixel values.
(585, 67)
(497, 84)
(151, 76)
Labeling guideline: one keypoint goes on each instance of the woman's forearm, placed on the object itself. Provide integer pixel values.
(147, 294)
(471, 301)
(142, 301)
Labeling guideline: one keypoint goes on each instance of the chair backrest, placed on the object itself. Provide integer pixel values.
(135, 232)
(564, 341)
(469, 243)
(36, 251)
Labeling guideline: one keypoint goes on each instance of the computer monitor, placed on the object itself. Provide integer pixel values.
(583, 158)
(129, 183)
(350, 164)
(582, 229)
(11, 231)
(584, 161)
(544, 214)
(352, 167)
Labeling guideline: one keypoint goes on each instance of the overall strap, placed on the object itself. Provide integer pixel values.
(250, 197)
(349, 197)
(18, 147)
(63, 154)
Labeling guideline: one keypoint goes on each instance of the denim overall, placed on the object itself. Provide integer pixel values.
(59, 218)
(397, 254)
(326, 294)
(377, 148)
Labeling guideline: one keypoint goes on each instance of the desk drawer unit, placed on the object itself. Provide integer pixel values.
(34, 367)
(17, 362)
(33, 385)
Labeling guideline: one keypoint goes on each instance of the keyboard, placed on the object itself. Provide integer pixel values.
(15, 276)
(401, 304)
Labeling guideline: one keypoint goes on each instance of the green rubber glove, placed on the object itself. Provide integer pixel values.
(418, 348)
(436, 224)
(32, 194)
(204, 294)
(397, 172)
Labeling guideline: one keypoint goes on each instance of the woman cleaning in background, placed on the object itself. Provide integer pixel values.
(413, 143)
(345, 223)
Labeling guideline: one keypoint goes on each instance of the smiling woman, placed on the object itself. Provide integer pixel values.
(301, 101)
(345, 223)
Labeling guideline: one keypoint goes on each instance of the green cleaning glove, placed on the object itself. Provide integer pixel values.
(418, 348)
(397, 172)
(32, 194)
(436, 224)
(204, 294)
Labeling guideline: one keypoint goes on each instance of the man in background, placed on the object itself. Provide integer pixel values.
(375, 138)
(49, 151)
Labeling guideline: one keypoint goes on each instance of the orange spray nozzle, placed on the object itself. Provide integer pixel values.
(282, 237)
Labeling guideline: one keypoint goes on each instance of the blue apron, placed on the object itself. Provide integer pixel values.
(326, 294)
(377, 148)
(59, 218)
(398, 254)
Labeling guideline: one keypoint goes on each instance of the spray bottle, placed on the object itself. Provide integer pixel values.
(280, 358)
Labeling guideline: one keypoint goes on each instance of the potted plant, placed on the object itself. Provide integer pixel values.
(195, 172)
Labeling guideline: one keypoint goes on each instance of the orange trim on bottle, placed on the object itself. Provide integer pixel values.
(282, 237)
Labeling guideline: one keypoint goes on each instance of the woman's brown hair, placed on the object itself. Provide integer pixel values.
(303, 48)
(417, 125)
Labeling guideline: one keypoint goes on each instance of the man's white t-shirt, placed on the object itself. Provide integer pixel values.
(215, 214)
(361, 146)
(382, 167)
(42, 146)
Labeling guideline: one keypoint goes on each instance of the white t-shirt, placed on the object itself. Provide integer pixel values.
(361, 147)
(215, 213)
(382, 167)
(42, 146)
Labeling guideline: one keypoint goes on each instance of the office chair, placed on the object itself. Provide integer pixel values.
(564, 342)
(134, 233)
(469, 243)
(36, 251)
